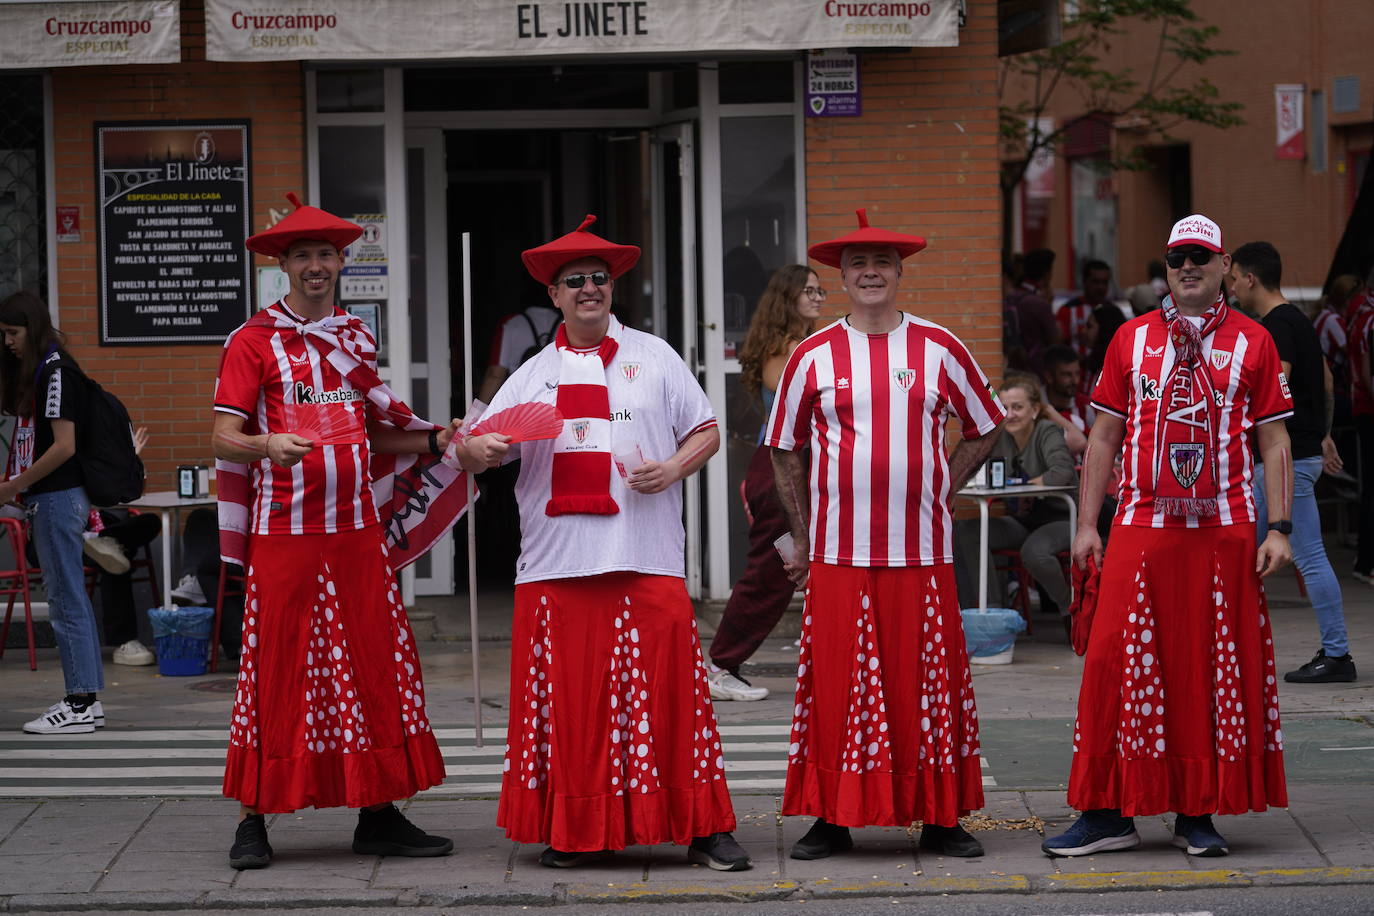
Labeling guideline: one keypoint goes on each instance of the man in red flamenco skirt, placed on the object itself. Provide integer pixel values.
(611, 740)
(1178, 709)
(329, 709)
(884, 729)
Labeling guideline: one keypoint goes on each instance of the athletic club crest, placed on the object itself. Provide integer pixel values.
(1221, 359)
(630, 371)
(579, 430)
(1185, 460)
(904, 378)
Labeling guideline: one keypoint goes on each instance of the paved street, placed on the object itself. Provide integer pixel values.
(130, 818)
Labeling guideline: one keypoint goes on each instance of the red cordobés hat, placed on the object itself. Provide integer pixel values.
(301, 224)
(543, 262)
(829, 253)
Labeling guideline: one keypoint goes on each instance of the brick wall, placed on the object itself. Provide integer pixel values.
(167, 388)
(923, 159)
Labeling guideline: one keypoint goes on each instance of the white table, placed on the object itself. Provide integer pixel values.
(168, 505)
(985, 495)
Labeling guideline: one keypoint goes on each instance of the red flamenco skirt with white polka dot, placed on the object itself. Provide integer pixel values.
(885, 729)
(611, 740)
(1178, 711)
(329, 709)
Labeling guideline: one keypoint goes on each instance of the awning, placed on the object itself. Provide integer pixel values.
(84, 33)
(243, 30)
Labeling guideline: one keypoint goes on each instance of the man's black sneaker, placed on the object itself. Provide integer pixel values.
(557, 858)
(251, 849)
(718, 851)
(823, 839)
(950, 841)
(386, 832)
(1323, 669)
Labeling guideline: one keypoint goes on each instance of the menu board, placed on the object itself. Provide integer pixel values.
(173, 214)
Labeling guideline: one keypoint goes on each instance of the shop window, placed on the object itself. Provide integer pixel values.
(23, 205)
(353, 185)
(757, 81)
(349, 90)
(551, 87)
(1094, 213)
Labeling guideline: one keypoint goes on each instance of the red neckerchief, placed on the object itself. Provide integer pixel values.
(1186, 481)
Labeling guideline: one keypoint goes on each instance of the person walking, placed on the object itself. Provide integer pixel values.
(329, 709)
(1256, 272)
(612, 740)
(1178, 707)
(43, 386)
(884, 729)
(787, 313)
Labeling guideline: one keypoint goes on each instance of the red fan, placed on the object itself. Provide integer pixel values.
(523, 422)
(325, 424)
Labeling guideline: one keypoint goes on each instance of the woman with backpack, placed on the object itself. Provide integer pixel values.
(42, 385)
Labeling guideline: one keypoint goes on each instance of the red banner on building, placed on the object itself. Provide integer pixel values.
(1292, 137)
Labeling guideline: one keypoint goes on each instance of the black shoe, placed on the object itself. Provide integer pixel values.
(251, 849)
(386, 832)
(718, 851)
(557, 858)
(1323, 669)
(950, 841)
(822, 840)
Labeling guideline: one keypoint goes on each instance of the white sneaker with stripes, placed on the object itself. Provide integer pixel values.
(62, 718)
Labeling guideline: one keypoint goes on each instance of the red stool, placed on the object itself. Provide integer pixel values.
(15, 583)
(1024, 581)
(225, 590)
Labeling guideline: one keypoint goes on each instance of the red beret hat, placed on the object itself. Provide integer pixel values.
(544, 262)
(829, 253)
(301, 224)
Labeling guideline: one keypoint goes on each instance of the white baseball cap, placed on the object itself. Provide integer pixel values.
(1196, 230)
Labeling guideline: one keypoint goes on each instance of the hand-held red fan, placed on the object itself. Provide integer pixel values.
(523, 422)
(325, 424)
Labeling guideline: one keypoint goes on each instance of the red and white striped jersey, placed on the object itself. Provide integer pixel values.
(1246, 375)
(872, 409)
(1330, 330)
(264, 369)
(1360, 346)
(1073, 323)
(1080, 412)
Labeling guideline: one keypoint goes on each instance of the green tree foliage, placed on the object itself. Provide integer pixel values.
(1085, 66)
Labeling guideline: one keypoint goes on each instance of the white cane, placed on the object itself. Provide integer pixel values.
(471, 486)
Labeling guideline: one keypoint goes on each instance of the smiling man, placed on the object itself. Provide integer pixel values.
(329, 708)
(884, 730)
(612, 741)
(1178, 709)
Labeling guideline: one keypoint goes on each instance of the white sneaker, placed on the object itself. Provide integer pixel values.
(107, 554)
(188, 592)
(725, 686)
(133, 653)
(98, 713)
(61, 719)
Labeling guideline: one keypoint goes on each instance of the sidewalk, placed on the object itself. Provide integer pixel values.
(142, 850)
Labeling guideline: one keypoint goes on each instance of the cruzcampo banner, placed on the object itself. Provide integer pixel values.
(85, 33)
(244, 30)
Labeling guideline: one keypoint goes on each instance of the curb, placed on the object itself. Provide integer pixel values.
(565, 894)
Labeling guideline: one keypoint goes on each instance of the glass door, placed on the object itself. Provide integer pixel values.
(674, 290)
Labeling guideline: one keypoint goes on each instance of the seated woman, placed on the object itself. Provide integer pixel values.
(1034, 451)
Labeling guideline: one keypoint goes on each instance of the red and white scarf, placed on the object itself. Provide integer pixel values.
(1186, 480)
(418, 497)
(582, 452)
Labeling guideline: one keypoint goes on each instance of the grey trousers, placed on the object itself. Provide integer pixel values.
(1038, 548)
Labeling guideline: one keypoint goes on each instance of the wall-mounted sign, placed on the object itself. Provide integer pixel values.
(441, 29)
(173, 213)
(1290, 140)
(68, 224)
(832, 84)
(273, 284)
(90, 32)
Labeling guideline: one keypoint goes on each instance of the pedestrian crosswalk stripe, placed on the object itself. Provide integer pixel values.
(190, 762)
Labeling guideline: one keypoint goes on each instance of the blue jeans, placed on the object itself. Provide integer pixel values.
(1309, 552)
(59, 518)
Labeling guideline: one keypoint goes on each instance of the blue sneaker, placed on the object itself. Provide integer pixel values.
(1197, 835)
(1103, 830)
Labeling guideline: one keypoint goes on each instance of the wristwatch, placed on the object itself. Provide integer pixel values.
(1282, 526)
(438, 452)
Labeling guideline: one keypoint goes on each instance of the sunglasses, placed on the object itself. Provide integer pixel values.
(815, 293)
(1176, 257)
(577, 281)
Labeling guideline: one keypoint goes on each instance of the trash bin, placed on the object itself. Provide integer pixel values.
(182, 635)
(991, 634)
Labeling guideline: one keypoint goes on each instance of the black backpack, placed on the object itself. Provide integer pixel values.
(112, 470)
(540, 340)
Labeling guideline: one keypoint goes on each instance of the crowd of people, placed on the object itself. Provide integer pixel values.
(1194, 433)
